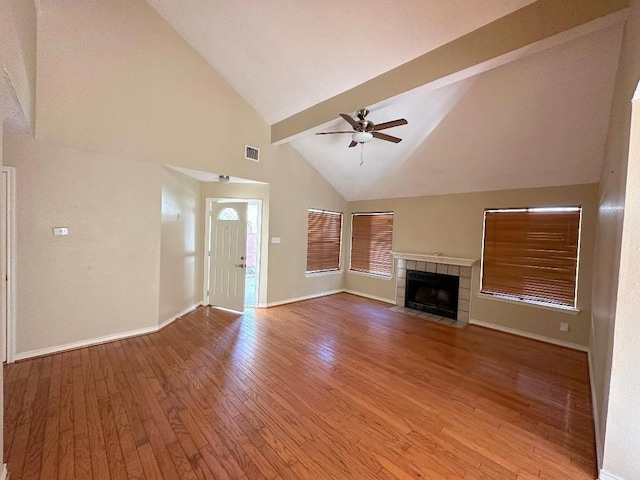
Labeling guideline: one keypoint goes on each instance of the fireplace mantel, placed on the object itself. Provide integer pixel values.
(435, 258)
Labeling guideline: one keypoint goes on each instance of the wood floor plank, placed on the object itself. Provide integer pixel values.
(337, 388)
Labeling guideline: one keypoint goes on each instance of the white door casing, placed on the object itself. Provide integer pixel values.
(227, 255)
(7, 262)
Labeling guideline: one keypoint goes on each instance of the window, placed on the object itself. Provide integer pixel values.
(228, 214)
(324, 231)
(371, 236)
(531, 255)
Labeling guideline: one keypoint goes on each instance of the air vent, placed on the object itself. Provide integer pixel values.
(252, 153)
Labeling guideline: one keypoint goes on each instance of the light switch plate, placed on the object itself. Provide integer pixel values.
(564, 327)
(60, 231)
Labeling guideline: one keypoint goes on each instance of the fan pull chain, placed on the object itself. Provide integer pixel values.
(361, 154)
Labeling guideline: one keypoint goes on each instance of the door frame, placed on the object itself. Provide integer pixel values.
(207, 238)
(9, 267)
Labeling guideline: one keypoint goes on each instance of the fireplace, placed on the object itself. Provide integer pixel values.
(432, 292)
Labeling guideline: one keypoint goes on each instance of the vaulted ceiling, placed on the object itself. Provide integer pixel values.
(507, 94)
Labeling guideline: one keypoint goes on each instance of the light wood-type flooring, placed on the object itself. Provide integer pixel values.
(338, 387)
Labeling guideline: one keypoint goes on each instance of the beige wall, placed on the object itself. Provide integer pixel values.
(622, 442)
(181, 237)
(115, 77)
(103, 277)
(254, 191)
(610, 217)
(615, 336)
(452, 225)
(294, 190)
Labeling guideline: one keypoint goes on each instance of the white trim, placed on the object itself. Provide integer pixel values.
(594, 407)
(86, 343)
(321, 273)
(305, 297)
(372, 297)
(177, 316)
(433, 258)
(11, 263)
(517, 301)
(533, 336)
(608, 476)
(371, 275)
(4, 474)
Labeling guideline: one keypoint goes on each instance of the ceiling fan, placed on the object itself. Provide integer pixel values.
(365, 130)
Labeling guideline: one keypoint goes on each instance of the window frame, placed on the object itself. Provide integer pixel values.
(325, 271)
(391, 262)
(511, 298)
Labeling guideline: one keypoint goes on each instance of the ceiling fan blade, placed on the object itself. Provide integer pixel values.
(384, 136)
(352, 144)
(331, 133)
(351, 121)
(393, 123)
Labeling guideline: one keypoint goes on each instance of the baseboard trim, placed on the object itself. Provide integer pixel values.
(170, 320)
(372, 297)
(594, 407)
(533, 336)
(607, 476)
(306, 297)
(85, 343)
(100, 340)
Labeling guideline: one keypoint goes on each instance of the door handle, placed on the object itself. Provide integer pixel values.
(241, 265)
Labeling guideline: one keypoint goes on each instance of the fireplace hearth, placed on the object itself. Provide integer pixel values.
(432, 292)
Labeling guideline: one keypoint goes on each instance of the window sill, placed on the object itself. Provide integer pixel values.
(569, 310)
(370, 275)
(323, 273)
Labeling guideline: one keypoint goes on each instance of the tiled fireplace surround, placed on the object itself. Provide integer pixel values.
(459, 267)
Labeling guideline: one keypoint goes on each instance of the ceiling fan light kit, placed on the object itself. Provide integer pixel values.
(365, 130)
(362, 137)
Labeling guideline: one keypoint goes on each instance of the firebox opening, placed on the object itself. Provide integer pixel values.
(433, 293)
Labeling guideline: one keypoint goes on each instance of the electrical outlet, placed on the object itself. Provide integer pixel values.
(564, 327)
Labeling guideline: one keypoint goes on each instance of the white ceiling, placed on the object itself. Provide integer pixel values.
(284, 56)
(538, 121)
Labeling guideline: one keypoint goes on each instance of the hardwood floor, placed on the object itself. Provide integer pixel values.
(333, 388)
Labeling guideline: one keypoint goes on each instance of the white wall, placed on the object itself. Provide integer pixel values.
(180, 244)
(622, 441)
(609, 226)
(103, 277)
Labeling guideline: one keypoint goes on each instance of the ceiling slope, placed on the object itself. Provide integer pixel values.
(539, 121)
(285, 56)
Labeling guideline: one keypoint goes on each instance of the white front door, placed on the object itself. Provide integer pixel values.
(227, 255)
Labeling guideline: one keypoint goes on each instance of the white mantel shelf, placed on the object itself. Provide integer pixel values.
(463, 262)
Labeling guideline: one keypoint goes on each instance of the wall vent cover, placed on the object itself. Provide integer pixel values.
(252, 153)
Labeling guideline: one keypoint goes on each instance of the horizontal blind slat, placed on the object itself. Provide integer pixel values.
(371, 240)
(532, 255)
(324, 230)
